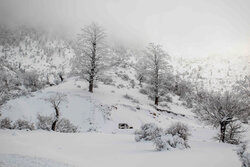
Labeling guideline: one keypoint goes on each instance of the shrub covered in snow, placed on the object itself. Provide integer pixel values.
(44, 122)
(124, 77)
(175, 136)
(5, 123)
(244, 156)
(126, 96)
(148, 132)
(143, 91)
(120, 86)
(178, 129)
(169, 141)
(106, 80)
(164, 104)
(31, 80)
(233, 134)
(167, 98)
(65, 126)
(23, 124)
(132, 83)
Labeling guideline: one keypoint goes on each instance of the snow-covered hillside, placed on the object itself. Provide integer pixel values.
(48, 57)
(213, 72)
(101, 112)
(49, 66)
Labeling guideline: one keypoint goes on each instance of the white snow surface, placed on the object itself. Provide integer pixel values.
(88, 111)
(107, 150)
(107, 146)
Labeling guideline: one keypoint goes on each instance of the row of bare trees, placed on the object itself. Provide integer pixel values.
(220, 109)
(92, 58)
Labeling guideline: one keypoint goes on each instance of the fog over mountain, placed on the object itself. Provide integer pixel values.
(185, 28)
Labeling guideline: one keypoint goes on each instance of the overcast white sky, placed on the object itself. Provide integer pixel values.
(185, 28)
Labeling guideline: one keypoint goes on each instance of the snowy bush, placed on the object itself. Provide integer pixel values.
(106, 80)
(23, 124)
(120, 86)
(233, 134)
(5, 123)
(124, 77)
(44, 122)
(126, 96)
(31, 80)
(65, 126)
(178, 129)
(143, 91)
(164, 104)
(169, 141)
(132, 83)
(189, 101)
(148, 132)
(167, 98)
(244, 156)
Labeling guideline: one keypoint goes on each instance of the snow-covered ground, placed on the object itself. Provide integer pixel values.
(109, 146)
(102, 110)
(41, 148)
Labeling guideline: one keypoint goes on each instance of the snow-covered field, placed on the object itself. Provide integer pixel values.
(108, 146)
(40, 148)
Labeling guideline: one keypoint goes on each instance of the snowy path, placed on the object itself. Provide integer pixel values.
(106, 150)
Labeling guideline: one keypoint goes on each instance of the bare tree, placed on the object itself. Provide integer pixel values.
(90, 51)
(157, 66)
(55, 101)
(221, 109)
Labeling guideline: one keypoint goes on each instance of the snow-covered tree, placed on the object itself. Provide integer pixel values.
(55, 101)
(221, 109)
(243, 87)
(90, 50)
(141, 73)
(31, 80)
(9, 85)
(157, 66)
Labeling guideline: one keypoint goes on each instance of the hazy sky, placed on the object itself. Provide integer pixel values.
(184, 27)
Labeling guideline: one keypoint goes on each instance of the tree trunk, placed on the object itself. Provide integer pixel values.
(93, 68)
(156, 100)
(91, 85)
(61, 78)
(222, 131)
(57, 117)
(54, 125)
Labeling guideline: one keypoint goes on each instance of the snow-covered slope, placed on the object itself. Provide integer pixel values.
(213, 72)
(108, 150)
(46, 56)
(102, 111)
(116, 99)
